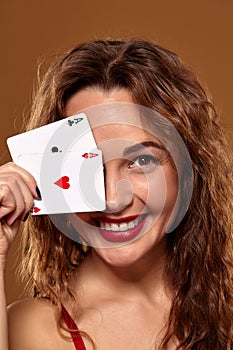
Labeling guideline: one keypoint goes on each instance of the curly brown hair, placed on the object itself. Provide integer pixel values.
(200, 250)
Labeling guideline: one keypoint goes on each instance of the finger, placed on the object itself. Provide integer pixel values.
(15, 198)
(21, 212)
(7, 200)
(12, 168)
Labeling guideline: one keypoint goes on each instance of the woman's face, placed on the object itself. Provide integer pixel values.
(140, 183)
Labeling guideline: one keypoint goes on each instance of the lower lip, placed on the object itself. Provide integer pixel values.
(122, 236)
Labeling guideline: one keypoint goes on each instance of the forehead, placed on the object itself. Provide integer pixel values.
(117, 127)
(116, 122)
(111, 115)
(93, 96)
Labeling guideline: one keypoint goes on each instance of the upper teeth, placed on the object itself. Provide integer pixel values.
(124, 226)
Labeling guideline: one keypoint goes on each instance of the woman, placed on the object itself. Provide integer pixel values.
(167, 289)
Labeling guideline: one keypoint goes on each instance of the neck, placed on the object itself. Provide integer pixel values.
(144, 276)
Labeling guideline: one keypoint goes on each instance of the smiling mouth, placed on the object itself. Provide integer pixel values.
(120, 230)
(120, 225)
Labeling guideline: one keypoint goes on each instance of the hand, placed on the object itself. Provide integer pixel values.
(17, 193)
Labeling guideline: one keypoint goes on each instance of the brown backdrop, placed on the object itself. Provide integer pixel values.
(199, 31)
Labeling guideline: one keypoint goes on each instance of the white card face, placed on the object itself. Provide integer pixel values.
(68, 134)
(68, 184)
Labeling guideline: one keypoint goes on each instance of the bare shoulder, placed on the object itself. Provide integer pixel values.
(32, 325)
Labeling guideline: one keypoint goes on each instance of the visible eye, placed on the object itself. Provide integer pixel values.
(144, 161)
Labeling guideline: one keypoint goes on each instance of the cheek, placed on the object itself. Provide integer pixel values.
(81, 222)
(157, 190)
(84, 217)
(172, 187)
(151, 189)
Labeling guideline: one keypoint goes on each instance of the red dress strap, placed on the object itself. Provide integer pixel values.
(77, 339)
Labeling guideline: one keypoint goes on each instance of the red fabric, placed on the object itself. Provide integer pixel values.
(77, 339)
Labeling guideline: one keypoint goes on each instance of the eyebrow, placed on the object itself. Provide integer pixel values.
(140, 146)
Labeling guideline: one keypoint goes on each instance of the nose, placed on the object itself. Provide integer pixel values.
(118, 191)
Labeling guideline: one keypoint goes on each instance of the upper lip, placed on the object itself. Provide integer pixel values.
(117, 220)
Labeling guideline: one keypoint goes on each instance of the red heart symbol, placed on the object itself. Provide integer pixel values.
(85, 155)
(36, 210)
(63, 182)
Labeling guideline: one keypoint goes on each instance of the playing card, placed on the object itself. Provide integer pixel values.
(68, 183)
(69, 134)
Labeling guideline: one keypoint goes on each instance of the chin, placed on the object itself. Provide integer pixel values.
(119, 256)
(142, 250)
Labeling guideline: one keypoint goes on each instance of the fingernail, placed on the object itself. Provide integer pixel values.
(38, 193)
(26, 216)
